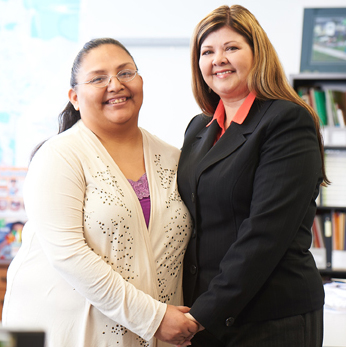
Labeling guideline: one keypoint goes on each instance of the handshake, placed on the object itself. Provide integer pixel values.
(178, 327)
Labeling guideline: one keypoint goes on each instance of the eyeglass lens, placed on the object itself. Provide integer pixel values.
(122, 76)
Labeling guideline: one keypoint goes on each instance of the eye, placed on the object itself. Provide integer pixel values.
(231, 48)
(99, 79)
(125, 73)
(207, 52)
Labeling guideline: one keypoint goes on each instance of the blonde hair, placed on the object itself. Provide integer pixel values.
(266, 78)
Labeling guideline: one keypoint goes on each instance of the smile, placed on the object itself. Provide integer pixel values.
(117, 101)
(223, 73)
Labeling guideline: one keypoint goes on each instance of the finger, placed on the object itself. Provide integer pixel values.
(192, 329)
(183, 309)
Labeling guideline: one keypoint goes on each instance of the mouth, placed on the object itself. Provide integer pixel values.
(116, 100)
(223, 73)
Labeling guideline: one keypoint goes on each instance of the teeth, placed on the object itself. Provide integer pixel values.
(223, 73)
(117, 101)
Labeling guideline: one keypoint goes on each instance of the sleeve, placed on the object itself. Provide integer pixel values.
(288, 171)
(54, 199)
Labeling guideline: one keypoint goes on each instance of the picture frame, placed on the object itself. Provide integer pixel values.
(324, 40)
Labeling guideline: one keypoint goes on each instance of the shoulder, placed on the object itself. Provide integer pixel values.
(286, 106)
(155, 141)
(65, 145)
(287, 121)
(284, 112)
(284, 109)
(159, 149)
(196, 124)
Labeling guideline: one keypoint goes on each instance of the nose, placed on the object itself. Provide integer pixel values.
(220, 58)
(114, 83)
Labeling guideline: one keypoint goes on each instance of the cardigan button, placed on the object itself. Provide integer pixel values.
(193, 269)
(194, 233)
(229, 322)
(193, 199)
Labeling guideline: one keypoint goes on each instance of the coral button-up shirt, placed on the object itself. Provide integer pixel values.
(239, 117)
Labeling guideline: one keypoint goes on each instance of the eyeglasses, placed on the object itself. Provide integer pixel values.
(104, 80)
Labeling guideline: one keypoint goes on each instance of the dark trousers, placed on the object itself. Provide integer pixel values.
(299, 331)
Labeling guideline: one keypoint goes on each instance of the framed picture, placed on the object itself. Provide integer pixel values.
(324, 40)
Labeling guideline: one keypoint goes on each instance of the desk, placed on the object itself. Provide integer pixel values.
(334, 329)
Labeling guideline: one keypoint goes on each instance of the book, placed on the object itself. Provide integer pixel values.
(340, 116)
(338, 221)
(340, 102)
(336, 231)
(317, 234)
(342, 230)
(328, 238)
(329, 107)
(321, 110)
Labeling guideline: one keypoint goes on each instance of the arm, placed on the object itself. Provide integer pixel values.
(54, 198)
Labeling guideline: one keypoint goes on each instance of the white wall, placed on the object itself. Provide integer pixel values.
(35, 72)
(168, 103)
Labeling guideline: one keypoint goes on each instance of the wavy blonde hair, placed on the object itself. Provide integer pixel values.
(266, 78)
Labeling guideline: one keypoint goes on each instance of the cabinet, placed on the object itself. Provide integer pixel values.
(326, 93)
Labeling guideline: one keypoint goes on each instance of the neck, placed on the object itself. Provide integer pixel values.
(231, 108)
(126, 149)
(121, 139)
(114, 134)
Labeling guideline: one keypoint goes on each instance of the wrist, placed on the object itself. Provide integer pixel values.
(200, 326)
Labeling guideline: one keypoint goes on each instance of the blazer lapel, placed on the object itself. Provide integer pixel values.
(233, 138)
(200, 147)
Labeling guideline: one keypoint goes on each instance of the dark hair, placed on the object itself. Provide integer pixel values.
(266, 78)
(70, 116)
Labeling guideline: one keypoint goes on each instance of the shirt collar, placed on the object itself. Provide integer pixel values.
(239, 117)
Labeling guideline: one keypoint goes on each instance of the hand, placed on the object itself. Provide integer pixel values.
(175, 327)
(200, 328)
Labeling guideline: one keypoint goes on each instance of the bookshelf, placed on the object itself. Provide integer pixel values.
(326, 93)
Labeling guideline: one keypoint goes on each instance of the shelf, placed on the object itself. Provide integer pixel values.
(333, 273)
(330, 262)
(330, 208)
(316, 79)
(334, 137)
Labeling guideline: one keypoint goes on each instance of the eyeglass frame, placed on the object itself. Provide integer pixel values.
(109, 80)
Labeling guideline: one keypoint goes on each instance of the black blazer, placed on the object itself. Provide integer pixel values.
(252, 198)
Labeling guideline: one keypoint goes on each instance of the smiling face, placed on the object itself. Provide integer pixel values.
(118, 104)
(225, 62)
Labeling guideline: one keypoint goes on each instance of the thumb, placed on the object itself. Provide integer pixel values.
(183, 309)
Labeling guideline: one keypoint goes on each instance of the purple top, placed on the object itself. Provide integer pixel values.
(141, 189)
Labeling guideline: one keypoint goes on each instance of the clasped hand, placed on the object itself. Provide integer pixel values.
(177, 327)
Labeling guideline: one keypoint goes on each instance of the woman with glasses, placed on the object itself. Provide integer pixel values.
(101, 259)
(250, 171)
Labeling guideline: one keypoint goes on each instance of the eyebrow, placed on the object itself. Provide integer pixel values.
(226, 43)
(120, 67)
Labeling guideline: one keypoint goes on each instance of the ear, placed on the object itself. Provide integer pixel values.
(72, 95)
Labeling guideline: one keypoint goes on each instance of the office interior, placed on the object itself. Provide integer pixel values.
(39, 40)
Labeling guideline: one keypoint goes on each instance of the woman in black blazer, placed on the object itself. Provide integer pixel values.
(250, 171)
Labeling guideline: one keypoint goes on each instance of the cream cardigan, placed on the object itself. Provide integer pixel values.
(89, 272)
